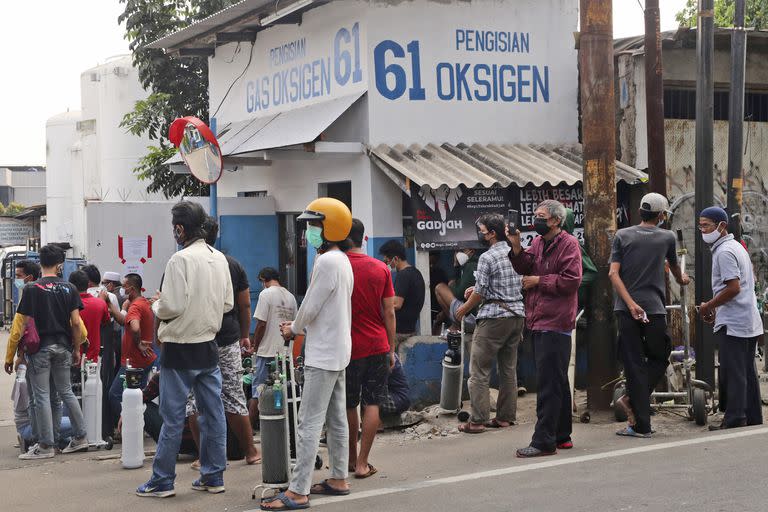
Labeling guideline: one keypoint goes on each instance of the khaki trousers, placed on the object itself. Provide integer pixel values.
(494, 339)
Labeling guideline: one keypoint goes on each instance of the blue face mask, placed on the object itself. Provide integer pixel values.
(315, 236)
(19, 283)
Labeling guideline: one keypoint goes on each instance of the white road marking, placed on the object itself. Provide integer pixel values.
(550, 463)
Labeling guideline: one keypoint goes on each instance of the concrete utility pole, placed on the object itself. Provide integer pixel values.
(736, 120)
(654, 100)
(705, 99)
(599, 146)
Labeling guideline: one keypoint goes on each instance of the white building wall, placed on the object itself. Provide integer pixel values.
(28, 187)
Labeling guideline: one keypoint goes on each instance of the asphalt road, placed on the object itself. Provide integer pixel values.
(683, 468)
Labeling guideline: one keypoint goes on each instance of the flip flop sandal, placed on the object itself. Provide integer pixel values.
(325, 488)
(288, 503)
(371, 471)
(469, 428)
(496, 423)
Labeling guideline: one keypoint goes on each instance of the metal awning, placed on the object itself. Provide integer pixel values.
(487, 165)
(285, 129)
(238, 22)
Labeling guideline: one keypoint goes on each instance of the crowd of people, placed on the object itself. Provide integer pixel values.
(190, 338)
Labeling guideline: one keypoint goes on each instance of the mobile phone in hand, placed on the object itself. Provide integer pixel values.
(513, 220)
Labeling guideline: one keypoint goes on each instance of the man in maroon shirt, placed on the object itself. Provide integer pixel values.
(94, 314)
(373, 348)
(551, 270)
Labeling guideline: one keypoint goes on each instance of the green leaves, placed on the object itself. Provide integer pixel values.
(177, 87)
(756, 14)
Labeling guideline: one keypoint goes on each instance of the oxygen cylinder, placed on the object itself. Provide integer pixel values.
(450, 387)
(133, 420)
(274, 456)
(21, 373)
(92, 402)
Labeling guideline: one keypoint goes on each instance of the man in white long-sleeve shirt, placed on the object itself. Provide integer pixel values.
(326, 316)
(195, 293)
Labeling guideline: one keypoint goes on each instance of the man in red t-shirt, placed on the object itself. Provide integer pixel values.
(137, 340)
(373, 348)
(94, 314)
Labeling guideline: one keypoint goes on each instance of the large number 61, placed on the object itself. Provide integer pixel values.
(383, 71)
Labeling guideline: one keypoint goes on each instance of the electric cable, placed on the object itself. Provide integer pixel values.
(250, 59)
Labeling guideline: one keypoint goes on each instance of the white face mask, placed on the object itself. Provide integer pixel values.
(714, 236)
(462, 258)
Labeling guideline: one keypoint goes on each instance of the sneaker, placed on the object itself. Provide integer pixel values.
(76, 445)
(531, 451)
(565, 445)
(156, 491)
(214, 486)
(631, 432)
(37, 452)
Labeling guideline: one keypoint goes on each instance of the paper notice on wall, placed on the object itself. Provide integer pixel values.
(135, 248)
(133, 267)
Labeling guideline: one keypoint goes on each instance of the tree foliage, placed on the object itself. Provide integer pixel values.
(177, 87)
(756, 14)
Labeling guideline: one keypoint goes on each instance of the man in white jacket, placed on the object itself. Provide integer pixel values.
(326, 316)
(195, 293)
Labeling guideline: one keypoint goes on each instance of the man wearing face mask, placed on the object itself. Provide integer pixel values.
(136, 346)
(736, 319)
(498, 331)
(551, 269)
(451, 296)
(326, 316)
(27, 271)
(637, 275)
(195, 294)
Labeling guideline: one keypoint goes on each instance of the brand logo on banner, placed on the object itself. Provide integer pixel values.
(446, 218)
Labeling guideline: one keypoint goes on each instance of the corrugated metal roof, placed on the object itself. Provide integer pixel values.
(685, 37)
(209, 25)
(244, 15)
(490, 164)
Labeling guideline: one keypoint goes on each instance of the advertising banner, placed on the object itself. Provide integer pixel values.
(446, 218)
(14, 232)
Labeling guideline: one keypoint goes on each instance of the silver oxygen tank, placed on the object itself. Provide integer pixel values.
(133, 420)
(92, 401)
(275, 465)
(451, 384)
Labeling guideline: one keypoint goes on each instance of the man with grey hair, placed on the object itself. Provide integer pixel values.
(551, 270)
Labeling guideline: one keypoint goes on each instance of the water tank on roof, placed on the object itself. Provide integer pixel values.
(61, 137)
(110, 153)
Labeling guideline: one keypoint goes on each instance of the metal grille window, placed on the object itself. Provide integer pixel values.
(681, 104)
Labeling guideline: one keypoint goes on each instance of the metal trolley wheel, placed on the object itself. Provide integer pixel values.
(699, 407)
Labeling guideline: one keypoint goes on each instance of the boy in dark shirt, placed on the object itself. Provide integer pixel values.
(55, 305)
(409, 289)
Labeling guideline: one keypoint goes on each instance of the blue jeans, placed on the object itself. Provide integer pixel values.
(174, 389)
(115, 394)
(65, 431)
(50, 374)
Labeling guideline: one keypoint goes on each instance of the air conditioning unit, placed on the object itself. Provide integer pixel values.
(120, 71)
